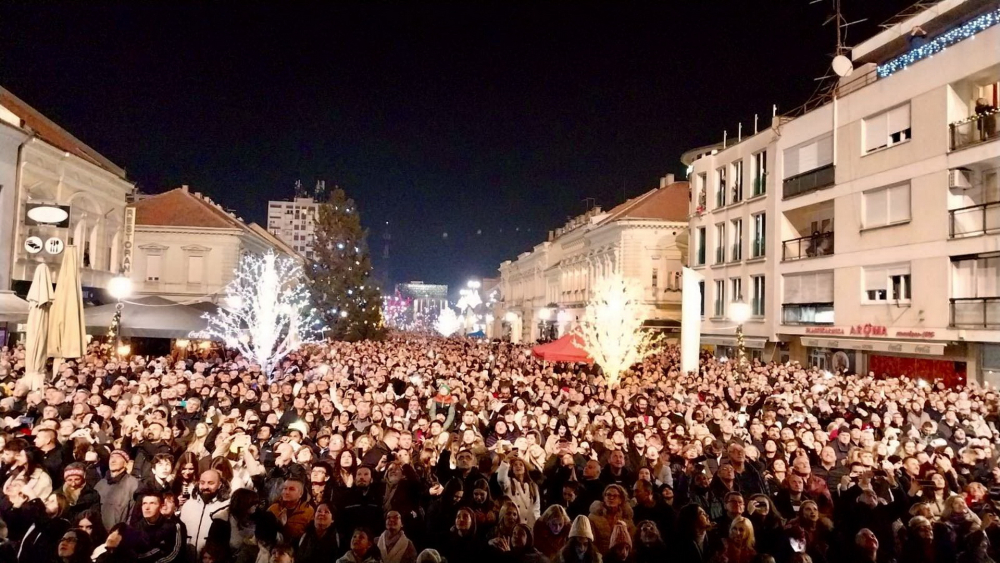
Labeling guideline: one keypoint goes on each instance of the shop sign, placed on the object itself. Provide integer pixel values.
(824, 330)
(869, 330)
(914, 334)
(874, 346)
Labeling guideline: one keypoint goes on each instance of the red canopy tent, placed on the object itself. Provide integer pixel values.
(569, 348)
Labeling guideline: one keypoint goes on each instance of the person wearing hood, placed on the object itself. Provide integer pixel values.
(580, 547)
(393, 544)
(649, 545)
(605, 514)
(463, 543)
(552, 531)
(621, 545)
(363, 549)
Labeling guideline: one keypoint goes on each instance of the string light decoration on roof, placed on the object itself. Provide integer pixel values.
(965, 31)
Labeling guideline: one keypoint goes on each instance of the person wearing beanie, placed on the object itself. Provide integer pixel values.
(80, 496)
(117, 490)
(580, 547)
(605, 514)
(430, 556)
(621, 544)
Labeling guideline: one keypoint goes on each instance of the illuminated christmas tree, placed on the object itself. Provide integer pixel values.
(340, 275)
(612, 327)
(270, 312)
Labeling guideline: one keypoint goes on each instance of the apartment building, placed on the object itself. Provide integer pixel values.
(886, 255)
(294, 223)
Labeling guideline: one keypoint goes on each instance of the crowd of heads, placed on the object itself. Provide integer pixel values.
(425, 449)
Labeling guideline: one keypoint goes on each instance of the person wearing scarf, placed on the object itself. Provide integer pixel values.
(393, 544)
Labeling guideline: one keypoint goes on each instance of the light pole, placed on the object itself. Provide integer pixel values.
(739, 312)
(120, 287)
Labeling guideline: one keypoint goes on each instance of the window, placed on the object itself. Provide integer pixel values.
(886, 206)
(700, 258)
(720, 192)
(887, 128)
(813, 287)
(976, 277)
(720, 298)
(808, 156)
(154, 266)
(701, 292)
(759, 173)
(738, 181)
(887, 283)
(720, 243)
(736, 285)
(737, 252)
(701, 185)
(656, 275)
(759, 298)
(196, 268)
(759, 235)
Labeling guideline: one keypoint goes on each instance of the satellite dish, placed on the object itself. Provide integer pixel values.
(842, 66)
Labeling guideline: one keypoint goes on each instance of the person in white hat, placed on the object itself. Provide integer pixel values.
(580, 547)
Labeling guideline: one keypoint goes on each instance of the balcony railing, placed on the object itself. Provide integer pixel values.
(819, 244)
(757, 248)
(808, 181)
(975, 312)
(807, 314)
(975, 220)
(977, 129)
(760, 185)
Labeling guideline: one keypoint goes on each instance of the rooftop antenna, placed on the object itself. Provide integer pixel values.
(589, 203)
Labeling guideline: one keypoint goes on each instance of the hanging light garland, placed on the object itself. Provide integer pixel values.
(965, 31)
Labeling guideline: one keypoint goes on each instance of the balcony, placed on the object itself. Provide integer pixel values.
(975, 220)
(807, 314)
(808, 181)
(974, 130)
(975, 312)
(812, 246)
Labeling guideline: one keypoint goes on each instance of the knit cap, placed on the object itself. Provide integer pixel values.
(620, 535)
(581, 528)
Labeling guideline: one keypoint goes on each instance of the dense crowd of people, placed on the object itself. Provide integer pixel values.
(430, 450)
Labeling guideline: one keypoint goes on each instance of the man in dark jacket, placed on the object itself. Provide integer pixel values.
(380, 456)
(155, 538)
(80, 496)
(363, 504)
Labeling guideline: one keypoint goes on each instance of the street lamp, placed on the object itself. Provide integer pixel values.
(739, 312)
(119, 287)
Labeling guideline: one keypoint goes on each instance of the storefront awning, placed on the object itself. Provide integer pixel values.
(891, 346)
(748, 341)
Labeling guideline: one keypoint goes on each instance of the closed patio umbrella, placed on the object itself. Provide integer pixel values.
(39, 299)
(66, 326)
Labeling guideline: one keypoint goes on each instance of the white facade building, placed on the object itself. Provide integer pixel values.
(543, 293)
(56, 170)
(187, 248)
(885, 255)
(294, 222)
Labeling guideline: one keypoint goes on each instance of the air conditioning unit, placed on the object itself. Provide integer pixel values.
(960, 178)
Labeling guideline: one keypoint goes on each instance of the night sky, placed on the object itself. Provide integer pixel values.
(488, 122)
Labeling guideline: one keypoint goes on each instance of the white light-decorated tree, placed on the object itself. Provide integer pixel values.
(270, 312)
(612, 327)
(447, 322)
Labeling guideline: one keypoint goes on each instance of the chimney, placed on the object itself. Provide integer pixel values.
(666, 180)
(184, 188)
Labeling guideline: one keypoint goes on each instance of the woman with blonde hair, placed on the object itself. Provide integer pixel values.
(551, 530)
(740, 546)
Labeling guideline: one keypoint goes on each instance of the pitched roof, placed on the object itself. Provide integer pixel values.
(669, 203)
(47, 130)
(181, 208)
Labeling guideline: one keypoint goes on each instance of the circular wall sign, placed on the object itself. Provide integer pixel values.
(54, 245)
(33, 245)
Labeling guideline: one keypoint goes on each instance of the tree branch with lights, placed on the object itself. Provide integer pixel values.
(611, 327)
(270, 314)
